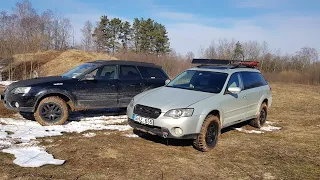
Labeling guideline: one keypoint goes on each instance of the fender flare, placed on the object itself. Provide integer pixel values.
(47, 92)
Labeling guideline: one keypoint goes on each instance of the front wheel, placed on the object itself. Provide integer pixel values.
(261, 118)
(209, 134)
(52, 111)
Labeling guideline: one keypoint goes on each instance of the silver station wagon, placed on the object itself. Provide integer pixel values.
(202, 100)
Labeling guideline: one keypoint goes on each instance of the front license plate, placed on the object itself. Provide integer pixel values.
(142, 120)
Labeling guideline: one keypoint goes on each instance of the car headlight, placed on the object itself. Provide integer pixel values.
(131, 103)
(21, 90)
(176, 113)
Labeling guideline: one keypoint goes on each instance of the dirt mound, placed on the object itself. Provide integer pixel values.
(69, 59)
(48, 63)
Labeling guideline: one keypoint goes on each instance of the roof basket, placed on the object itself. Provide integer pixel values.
(232, 63)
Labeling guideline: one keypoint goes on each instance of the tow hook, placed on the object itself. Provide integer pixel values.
(164, 134)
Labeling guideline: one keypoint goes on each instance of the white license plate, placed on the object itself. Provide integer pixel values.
(142, 120)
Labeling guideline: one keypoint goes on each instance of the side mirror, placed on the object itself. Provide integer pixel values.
(167, 81)
(89, 77)
(234, 90)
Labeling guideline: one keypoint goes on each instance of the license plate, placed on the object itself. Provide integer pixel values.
(142, 120)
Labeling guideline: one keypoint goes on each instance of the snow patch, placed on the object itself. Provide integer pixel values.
(89, 135)
(249, 131)
(29, 154)
(32, 157)
(131, 135)
(6, 83)
(270, 128)
(267, 128)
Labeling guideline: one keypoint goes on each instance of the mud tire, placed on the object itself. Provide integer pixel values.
(59, 103)
(201, 143)
(261, 118)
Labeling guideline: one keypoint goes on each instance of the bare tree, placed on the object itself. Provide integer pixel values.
(87, 39)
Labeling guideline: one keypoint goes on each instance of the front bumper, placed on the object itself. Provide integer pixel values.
(164, 126)
(26, 102)
(159, 131)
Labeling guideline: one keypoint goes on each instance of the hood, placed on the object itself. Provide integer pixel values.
(167, 98)
(37, 81)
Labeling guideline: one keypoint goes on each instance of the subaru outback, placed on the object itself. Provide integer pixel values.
(93, 85)
(201, 101)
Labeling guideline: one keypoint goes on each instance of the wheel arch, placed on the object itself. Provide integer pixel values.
(64, 96)
(215, 112)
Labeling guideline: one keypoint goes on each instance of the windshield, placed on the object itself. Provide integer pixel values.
(79, 70)
(204, 81)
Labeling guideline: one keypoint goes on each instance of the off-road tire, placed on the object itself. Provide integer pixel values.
(258, 122)
(57, 101)
(200, 143)
(27, 115)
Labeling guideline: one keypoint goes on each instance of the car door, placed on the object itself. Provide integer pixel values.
(153, 77)
(100, 91)
(233, 105)
(252, 92)
(130, 84)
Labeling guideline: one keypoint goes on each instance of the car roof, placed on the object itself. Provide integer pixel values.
(123, 62)
(224, 69)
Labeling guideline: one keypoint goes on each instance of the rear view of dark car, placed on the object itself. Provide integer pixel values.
(94, 85)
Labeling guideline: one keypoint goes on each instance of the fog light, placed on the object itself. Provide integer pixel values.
(16, 105)
(178, 131)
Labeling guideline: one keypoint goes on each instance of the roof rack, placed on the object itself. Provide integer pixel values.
(231, 63)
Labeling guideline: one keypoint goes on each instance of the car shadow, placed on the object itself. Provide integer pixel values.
(181, 142)
(78, 115)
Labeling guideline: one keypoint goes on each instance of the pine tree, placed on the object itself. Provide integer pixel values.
(125, 34)
(113, 30)
(238, 52)
(161, 41)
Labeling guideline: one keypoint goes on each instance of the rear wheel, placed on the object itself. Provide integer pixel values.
(209, 134)
(261, 118)
(52, 111)
(27, 115)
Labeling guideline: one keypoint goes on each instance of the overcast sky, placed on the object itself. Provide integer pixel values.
(284, 24)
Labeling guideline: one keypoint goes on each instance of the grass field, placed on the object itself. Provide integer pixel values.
(291, 153)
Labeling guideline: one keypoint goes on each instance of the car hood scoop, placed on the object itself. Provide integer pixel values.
(167, 98)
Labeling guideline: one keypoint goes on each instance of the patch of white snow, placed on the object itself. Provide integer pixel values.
(32, 157)
(25, 132)
(89, 135)
(131, 135)
(270, 128)
(249, 131)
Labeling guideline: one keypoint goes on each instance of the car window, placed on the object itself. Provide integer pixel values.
(129, 73)
(104, 73)
(151, 73)
(252, 80)
(234, 81)
(205, 81)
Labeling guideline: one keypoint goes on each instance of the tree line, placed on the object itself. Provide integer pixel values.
(114, 35)
(303, 64)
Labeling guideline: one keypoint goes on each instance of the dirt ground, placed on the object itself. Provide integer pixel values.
(291, 153)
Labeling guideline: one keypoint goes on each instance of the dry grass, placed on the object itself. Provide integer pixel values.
(291, 153)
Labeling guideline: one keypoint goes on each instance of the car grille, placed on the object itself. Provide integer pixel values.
(146, 111)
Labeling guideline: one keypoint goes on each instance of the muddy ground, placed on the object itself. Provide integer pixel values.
(291, 153)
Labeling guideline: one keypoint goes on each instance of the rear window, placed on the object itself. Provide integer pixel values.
(151, 73)
(252, 80)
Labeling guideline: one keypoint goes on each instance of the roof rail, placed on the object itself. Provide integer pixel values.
(233, 63)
